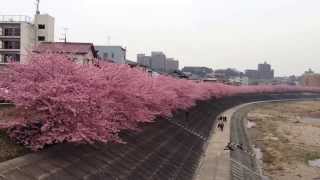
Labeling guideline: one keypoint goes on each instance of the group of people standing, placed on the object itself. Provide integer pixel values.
(231, 146)
(221, 121)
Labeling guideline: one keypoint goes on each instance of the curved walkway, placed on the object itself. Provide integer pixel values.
(217, 163)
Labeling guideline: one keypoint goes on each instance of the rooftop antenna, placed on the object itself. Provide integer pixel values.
(38, 4)
(36, 41)
(64, 38)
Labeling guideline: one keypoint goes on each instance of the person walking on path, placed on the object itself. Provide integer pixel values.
(224, 118)
(221, 126)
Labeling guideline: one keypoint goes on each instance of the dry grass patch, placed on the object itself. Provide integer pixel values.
(286, 141)
(8, 148)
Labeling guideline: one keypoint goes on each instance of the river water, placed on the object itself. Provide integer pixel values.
(314, 163)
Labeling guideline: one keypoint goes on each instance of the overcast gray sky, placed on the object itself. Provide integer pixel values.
(214, 33)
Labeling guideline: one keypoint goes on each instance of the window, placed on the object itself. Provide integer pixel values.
(11, 45)
(41, 38)
(12, 31)
(105, 55)
(11, 58)
(41, 26)
(112, 55)
(17, 32)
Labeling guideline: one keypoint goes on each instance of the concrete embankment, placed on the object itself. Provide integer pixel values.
(166, 149)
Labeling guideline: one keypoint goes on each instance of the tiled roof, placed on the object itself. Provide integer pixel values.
(68, 48)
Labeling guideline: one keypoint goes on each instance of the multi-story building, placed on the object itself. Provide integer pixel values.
(196, 70)
(144, 60)
(252, 74)
(82, 53)
(264, 72)
(312, 80)
(172, 65)
(19, 34)
(44, 28)
(158, 62)
(309, 78)
(116, 54)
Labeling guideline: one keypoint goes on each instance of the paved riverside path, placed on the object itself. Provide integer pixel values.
(215, 164)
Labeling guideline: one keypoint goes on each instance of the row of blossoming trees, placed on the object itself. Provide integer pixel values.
(58, 100)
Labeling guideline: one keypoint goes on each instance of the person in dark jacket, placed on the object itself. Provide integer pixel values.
(221, 126)
(224, 118)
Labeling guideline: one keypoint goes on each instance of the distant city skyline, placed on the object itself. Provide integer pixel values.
(216, 34)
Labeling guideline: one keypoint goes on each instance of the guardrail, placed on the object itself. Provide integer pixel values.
(15, 18)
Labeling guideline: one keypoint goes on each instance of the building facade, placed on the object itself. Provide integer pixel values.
(171, 65)
(116, 54)
(252, 74)
(311, 79)
(158, 62)
(264, 72)
(44, 26)
(82, 53)
(199, 71)
(144, 60)
(19, 34)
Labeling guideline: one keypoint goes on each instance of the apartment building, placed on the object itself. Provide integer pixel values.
(158, 62)
(264, 71)
(172, 65)
(310, 78)
(19, 34)
(144, 60)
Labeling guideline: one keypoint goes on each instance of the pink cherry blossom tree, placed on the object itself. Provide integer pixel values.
(58, 100)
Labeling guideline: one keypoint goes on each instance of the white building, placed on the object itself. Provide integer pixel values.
(19, 34)
(45, 28)
(243, 80)
(116, 54)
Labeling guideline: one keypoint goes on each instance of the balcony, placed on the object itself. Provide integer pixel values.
(9, 49)
(10, 32)
(9, 57)
(5, 37)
